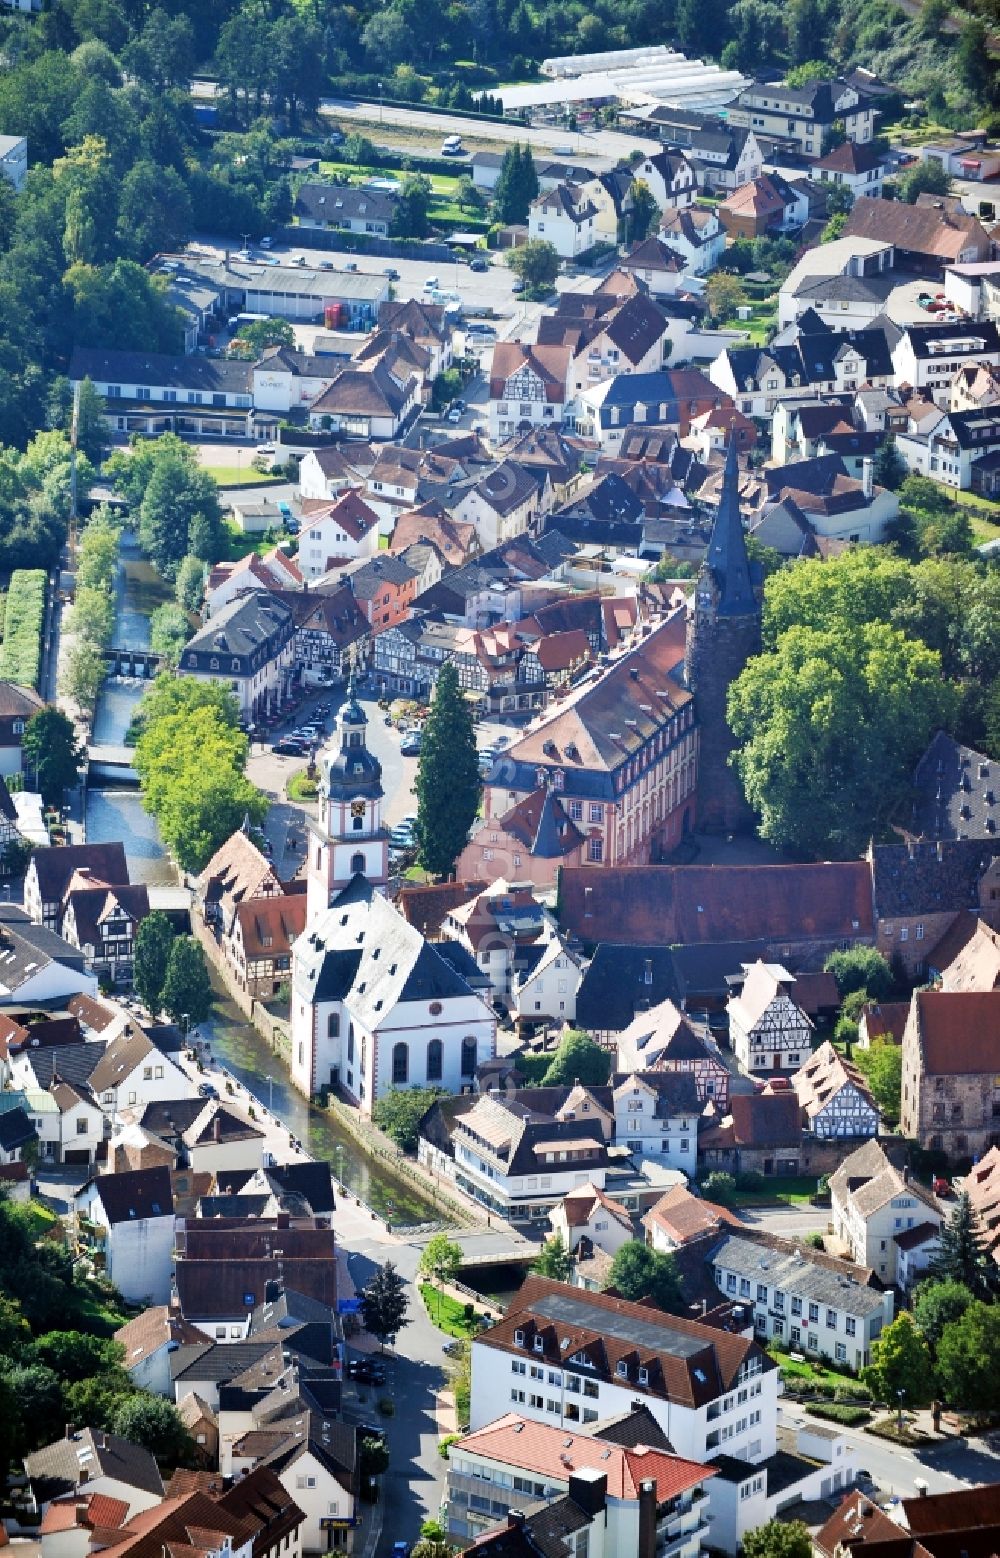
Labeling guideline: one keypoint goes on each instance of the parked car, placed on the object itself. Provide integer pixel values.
(289, 748)
(351, 265)
(479, 264)
(454, 415)
(517, 285)
(207, 1090)
(410, 746)
(942, 1187)
(264, 449)
(391, 272)
(365, 1371)
(327, 265)
(266, 243)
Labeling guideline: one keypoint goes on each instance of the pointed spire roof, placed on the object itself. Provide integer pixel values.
(727, 557)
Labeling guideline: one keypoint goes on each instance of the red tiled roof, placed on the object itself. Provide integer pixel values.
(684, 1216)
(697, 904)
(558, 1453)
(959, 1031)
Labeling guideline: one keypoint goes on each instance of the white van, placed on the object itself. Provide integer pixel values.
(432, 284)
(452, 146)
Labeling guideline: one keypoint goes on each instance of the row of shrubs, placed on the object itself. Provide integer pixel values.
(841, 1412)
(21, 650)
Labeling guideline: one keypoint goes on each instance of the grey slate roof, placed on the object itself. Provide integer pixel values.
(929, 877)
(74, 1063)
(56, 1468)
(223, 375)
(794, 1274)
(614, 987)
(956, 792)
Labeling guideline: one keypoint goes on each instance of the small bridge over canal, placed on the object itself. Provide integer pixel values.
(132, 662)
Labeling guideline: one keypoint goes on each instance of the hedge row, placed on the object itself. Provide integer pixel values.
(840, 1412)
(21, 650)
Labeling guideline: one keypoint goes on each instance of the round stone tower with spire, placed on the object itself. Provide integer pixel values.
(348, 840)
(723, 632)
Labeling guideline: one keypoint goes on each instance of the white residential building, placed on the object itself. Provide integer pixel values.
(14, 155)
(873, 1203)
(586, 1213)
(514, 1460)
(100, 1462)
(807, 1300)
(564, 217)
(767, 1031)
(69, 1123)
(544, 988)
(927, 357)
(132, 1072)
(336, 533)
(522, 1167)
(656, 1116)
(130, 1217)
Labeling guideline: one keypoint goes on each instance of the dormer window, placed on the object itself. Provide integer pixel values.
(518, 1338)
(621, 1370)
(538, 1344)
(643, 1376)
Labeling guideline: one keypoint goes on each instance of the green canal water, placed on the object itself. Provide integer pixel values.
(250, 1058)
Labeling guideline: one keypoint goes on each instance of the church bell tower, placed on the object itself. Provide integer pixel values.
(723, 633)
(348, 840)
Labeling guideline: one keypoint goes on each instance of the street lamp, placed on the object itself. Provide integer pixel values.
(185, 1023)
(900, 1396)
(380, 102)
(270, 1095)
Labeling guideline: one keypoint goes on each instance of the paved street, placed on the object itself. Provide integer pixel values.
(944, 1466)
(286, 822)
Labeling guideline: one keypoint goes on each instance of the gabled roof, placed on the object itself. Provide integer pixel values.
(958, 1031)
(683, 1216)
(757, 1120)
(548, 363)
(268, 926)
(824, 1077)
(237, 870)
(934, 231)
(542, 824)
(658, 905)
(135, 1195)
(54, 868)
(557, 1453)
(56, 1468)
(685, 1361)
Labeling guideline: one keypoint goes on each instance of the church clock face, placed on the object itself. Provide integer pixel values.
(357, 808)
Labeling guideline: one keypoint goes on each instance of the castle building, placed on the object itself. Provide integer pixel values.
(723, 632)
(348, 840)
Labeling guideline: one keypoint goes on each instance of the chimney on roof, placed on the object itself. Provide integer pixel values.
(515, 1519)
(588, 1487)
(647, 1519)
(868, 478)
(217, 1129)
(70, 1431)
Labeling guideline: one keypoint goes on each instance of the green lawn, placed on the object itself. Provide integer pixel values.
(238, 545)
(441, 183)
(301, 788)
(789, 1190)
(984, 517)
(447, 1313)
(807, 1374)
(242, 475)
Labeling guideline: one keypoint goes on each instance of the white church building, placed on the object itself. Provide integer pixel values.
(374, 1006)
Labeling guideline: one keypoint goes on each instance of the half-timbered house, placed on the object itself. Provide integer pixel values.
(835, 1097)
(666, 1039)
(767, 1031)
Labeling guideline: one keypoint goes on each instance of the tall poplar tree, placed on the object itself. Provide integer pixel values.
(448, 776)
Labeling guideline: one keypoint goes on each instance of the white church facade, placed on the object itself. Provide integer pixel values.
(374, 1006)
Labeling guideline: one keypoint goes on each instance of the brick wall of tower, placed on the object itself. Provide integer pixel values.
(718, 647)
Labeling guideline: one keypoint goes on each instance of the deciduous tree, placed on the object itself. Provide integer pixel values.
(901, 1365)
(536, 262)
(639, 1272)
(153, 942)
(968, 1358)
(939, 1303)
(778, 1539)
(399, 1113)
(578, 1059)
(52, 754)
(554, 1260)
(829, 726)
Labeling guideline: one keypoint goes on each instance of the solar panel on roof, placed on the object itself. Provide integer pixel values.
(569, 1310)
